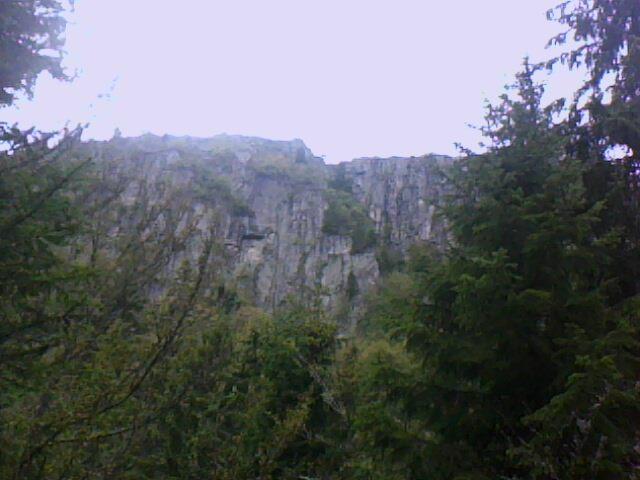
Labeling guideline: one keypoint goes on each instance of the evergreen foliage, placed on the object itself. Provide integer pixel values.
(345, 216)
(31, 42)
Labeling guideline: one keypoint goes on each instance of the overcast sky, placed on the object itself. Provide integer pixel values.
(350, 77)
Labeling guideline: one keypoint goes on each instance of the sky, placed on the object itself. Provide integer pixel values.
(351, 78)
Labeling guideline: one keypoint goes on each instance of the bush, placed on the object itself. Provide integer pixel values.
(211, 187)
(340, 181)
(345, 216)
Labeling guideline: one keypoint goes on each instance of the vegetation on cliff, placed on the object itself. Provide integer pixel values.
(346, 216)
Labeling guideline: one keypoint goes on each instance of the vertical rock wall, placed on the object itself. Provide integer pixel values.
(272, 197)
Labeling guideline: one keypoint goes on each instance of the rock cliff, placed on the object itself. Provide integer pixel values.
(292, 228)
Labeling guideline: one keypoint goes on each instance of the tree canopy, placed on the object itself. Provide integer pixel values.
(32, 42)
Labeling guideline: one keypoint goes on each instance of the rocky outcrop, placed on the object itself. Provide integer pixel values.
(271, 198)
(401, 195)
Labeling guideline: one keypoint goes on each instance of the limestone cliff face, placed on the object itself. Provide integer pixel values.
(401, 195)
(271, 199)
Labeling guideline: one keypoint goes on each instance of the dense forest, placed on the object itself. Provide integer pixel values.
(513, 353)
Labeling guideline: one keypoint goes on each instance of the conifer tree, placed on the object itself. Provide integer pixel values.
(32, 41)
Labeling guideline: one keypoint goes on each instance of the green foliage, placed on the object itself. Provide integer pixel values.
(352, 286)
(389, 259)
(37, 219)
(527, 366)
(82, 339)
(605, 114)
(301, 173)
(390, 441)
(393, 306)
(345, 216)
(607, 36)
(340, 181)
(253, 403)
(589, 429)
(31, 42)
(209, 187)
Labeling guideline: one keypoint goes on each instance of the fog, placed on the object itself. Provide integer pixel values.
(356, 78)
